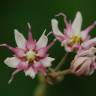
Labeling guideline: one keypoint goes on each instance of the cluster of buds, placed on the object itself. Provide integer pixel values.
(31, 56)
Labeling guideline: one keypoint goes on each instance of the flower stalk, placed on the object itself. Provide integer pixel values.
(41, 87)
(61, 62)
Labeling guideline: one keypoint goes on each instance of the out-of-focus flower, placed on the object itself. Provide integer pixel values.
(84, 62)
(72, 36)
(29, 56)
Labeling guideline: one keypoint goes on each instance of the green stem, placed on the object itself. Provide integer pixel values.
(65, 72)
(61, 62)
(41, 87)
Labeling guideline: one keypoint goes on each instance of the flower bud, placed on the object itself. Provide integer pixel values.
(84, 62)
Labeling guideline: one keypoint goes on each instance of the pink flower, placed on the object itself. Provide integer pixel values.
(84, 62)
(29, 56)
(73, 37)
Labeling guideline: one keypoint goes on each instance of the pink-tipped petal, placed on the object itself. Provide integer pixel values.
(76, 25)
(12, 62)
(68, 48)
(51, 44)
(65, 19)
(42, 52)
(30, 43)
(18, 51)
(29, 28)
(82, 53)
(68, 28)
(77, 63)
(30, 72)
(20, 40)
(56, 30)
(12, 76)
(85, 69)
(22, 65)
(42, 69)
(38, 67)
(87, 30)
(42, 42)
(81, 66)
(47, 61)
(89, 43)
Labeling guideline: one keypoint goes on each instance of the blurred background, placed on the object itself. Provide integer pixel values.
(14, 14)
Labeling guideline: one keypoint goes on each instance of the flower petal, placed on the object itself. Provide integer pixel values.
(12, 76)
(20, 40)
(30, 43)
(77, 62)
(30, 72)
(38, 67)
(89, 53)
(89, 43)
(22, 65)
(42, 52)
(76, 25)
(51, 44)
(18, 51)
(47, 62)
(12, 62)
(67, 47)
(87, 30)
(85, 68)
(55, 28)
(42, 42)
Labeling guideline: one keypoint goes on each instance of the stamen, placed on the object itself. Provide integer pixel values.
(30, 56)
(75, 39)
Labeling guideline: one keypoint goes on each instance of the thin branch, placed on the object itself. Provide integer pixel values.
(65, 72)
(61, 62)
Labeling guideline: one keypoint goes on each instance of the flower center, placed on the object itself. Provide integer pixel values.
(75, 39)
(30, 56)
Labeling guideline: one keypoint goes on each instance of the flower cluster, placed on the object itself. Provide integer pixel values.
(32, 57)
